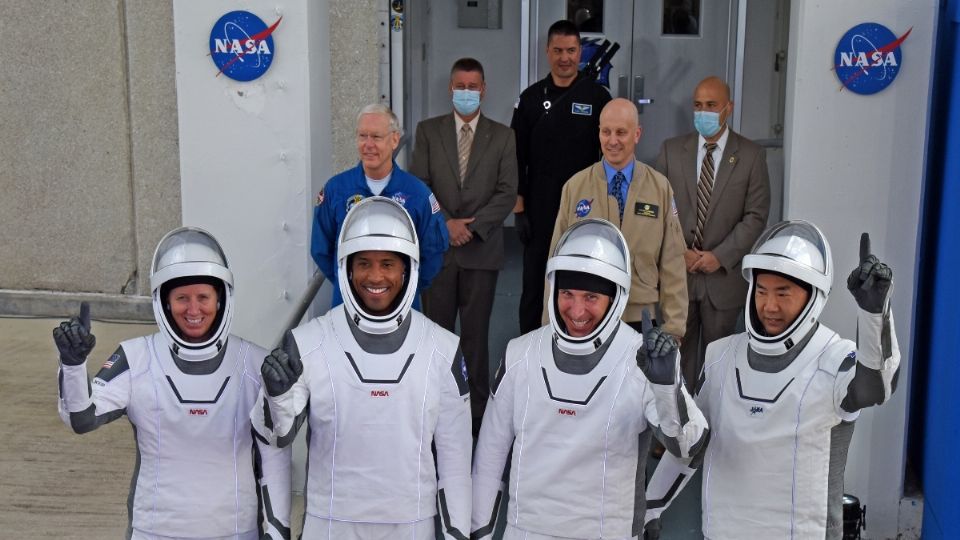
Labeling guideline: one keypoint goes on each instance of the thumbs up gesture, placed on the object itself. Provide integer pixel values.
(73, 338)
(657, 357)
(872, 281)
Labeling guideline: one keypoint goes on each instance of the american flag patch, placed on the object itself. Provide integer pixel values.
(434, 205)
(673, 205)
(320, 198)
(110, 361)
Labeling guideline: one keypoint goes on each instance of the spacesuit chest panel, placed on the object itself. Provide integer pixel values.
(372, 418)
(574, 432)
(203, 406)
(770, 444)
(192, 430)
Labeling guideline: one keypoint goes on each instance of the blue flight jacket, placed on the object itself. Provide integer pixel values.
(349, 187)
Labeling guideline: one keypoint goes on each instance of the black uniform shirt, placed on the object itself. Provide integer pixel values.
(555, 143)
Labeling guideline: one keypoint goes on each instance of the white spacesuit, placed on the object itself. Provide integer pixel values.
(376, 389)
(782, 407)
(578, 411)
(199, 472)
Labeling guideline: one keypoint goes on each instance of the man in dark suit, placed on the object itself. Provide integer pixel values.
(470, 163)
(723, 197)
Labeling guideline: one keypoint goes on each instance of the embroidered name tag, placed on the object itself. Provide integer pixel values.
(646, 210)
(583, 109)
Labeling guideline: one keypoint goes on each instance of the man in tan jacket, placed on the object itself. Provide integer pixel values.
(639, 200)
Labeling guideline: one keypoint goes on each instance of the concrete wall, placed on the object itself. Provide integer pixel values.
(88, 146)
(864, 176)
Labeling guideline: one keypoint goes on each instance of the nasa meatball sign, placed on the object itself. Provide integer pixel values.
(241, 45)
(868, 58)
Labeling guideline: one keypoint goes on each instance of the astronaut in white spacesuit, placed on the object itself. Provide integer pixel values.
(578, 401)
(188, 391)
(377, 383)
(782, 397)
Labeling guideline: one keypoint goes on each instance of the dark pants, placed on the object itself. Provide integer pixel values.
(705, 324)
(470, 293)
(535, 254)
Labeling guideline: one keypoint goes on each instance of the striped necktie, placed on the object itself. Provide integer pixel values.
(463, 149)
(704, 191)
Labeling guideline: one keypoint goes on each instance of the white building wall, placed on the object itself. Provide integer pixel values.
(856, 163)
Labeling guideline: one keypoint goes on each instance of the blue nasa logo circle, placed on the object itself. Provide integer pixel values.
(583, 208)
(868, 58)
(241, 45)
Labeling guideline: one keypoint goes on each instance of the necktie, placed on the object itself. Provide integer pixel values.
(704, 191)
(618, 180)
(463, 149)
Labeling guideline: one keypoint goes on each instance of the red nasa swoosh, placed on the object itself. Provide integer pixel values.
(883, 50)
(259, 36)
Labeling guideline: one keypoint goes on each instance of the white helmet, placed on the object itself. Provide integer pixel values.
(184, 256)
(597, 248)
(378, 224)
(800, 251)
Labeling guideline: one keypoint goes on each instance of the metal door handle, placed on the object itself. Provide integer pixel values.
(638, 96)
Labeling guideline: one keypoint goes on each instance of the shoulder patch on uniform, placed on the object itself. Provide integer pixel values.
(459, 369)
(582, 109)
(115, 365)
(434, 205)
(319, 198)
(673, 206)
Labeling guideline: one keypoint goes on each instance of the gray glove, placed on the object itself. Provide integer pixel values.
(73, 338)
(871, 281)
(524, 229)
(657, 358)
(282, 367)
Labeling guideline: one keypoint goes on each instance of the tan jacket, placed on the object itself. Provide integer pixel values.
(652, 230)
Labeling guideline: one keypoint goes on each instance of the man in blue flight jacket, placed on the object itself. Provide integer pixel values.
(378, 134)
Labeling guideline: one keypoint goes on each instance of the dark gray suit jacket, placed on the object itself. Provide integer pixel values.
(738, 209)
(489, 189)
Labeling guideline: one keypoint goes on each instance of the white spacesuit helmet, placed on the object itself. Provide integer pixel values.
(595, 247)
(378, 224)
(800, 251)
(185, 256)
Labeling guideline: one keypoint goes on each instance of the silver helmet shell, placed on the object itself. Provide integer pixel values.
(797, 249)
(191, 252)
(592, 246)
(378, 224)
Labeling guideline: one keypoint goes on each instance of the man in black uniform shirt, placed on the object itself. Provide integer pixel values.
(556, 120)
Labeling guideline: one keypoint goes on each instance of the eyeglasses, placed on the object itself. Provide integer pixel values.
(375, 137)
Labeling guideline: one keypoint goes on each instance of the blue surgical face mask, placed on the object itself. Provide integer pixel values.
(707, 123)
(466, 102)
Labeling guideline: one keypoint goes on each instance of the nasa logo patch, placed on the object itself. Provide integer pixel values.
(241, 45)
(584, 207)
(868, 58)
(400, 197)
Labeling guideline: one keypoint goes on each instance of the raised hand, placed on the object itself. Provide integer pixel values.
(73, 338)
(657, 358)
(871, 281)
(282, 367)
